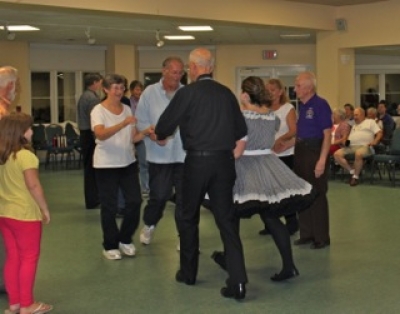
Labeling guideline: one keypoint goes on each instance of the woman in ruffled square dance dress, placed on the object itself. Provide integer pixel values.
(264, 184)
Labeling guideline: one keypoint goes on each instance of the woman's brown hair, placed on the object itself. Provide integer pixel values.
(254, 86)
(12, 131)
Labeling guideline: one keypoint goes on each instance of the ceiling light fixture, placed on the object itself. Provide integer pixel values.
(10, 35)
(159, 43)
(179, 37)
(90, 39)
(204, 28)
(295, 36)
(19, 28)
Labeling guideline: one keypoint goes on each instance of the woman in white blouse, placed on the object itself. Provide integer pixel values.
(115, 165)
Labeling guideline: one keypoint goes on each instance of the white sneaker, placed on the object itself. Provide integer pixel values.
(146, 234)
(112, 254)
(127, 249)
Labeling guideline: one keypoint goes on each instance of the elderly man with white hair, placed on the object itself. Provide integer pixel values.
(364, 134)
(8, 85)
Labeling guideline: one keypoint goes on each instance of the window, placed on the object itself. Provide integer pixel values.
(369, 90)
(66, 96)
(54, 95)
(40, 97)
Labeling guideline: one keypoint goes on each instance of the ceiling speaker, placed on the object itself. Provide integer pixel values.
(341, 24)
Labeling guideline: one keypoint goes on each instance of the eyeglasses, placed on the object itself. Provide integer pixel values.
(180, 73)
(118, 87)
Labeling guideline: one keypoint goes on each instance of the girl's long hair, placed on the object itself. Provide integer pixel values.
(12, 131)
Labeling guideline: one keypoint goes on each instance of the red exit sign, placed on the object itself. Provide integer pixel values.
(269, 54)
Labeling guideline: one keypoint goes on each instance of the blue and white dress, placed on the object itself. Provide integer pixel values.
(263, 181)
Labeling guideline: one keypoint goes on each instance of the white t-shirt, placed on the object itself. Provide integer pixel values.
(282, 113)
(117, 151)
(363, 133)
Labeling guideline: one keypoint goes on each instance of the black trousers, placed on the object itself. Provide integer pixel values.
(163, 178)
(109, 181)
(89, 178)
(314, 221)
(216, 176)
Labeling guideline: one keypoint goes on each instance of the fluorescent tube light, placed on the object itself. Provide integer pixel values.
(295, 36)
(20, 28)
(204, 28)
(179, 37)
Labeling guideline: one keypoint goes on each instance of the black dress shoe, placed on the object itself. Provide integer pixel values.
(302, 241)
(320, 245)
(93, 206)
(264, 232)
(284, 275)
(179, 278)
(236, 291)
(219, 258)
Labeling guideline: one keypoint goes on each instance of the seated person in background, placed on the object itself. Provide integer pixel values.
(373, 115)
(340, 130)
(349, 110)
(388, 124)
(364, 134)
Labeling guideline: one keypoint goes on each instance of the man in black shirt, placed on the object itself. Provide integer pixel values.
(210, 123)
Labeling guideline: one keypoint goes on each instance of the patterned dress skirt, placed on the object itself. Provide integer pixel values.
(265, 183)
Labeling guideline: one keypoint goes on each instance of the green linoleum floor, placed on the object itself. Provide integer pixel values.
(359, 273)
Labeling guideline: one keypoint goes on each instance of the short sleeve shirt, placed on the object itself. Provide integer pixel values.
(16, 202)
(363, 133)
(315, 116)
(117, 151)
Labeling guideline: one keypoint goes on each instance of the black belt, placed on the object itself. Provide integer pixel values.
(312, 141)
(209, 153)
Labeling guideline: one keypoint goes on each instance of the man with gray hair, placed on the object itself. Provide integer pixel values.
(210, 121)
(8, 85)
(313, 141)
(165, 158)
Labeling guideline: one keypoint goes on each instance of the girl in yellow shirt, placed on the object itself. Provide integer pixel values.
(23, 208)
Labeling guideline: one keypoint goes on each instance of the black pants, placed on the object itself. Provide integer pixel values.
(89, 178)
(216, 176)
(163, 178)
(109, 180)
(314, 221)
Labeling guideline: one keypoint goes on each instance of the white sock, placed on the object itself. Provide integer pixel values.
(351, 171)
(355, 176)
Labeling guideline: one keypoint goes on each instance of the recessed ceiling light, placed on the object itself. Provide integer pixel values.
(204, 28)
(20, 28)
(179, 37)
(295, 36)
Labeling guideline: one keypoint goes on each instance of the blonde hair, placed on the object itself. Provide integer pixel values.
(283, 99)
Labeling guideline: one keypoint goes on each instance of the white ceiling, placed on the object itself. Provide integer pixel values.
(69, 26)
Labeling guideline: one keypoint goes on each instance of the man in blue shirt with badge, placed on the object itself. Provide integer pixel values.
(310, 159)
